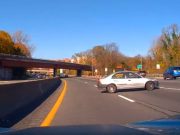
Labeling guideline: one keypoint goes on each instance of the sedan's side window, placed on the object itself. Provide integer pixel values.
(132, 75)
(118, 76)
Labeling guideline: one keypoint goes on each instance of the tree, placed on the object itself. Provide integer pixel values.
(132, 62)
(113, 54)
(17, 44)
(6, 43)
(166, 49)
(21, 41)
(83, 57)
(100, 57)
(22, 49)
(170, 42)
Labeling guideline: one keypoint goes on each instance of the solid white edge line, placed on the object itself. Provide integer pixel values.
(169, 88)
(130, 100)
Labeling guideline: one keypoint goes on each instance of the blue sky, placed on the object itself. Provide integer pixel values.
(60, 28)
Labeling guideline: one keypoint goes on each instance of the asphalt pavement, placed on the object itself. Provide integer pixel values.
(84, 104)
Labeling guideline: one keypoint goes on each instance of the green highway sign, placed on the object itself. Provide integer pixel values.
(139, 66)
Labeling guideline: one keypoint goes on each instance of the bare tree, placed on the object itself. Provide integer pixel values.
(21, 41)
(166, 49)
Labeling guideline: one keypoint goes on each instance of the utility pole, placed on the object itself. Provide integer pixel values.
(92, 66)
(141, 63)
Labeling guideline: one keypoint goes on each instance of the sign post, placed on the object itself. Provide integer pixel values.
(114, 71)
(106, 69)
(158, 67)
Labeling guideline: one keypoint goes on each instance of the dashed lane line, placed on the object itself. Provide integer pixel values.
(169, 88)
(128, 99)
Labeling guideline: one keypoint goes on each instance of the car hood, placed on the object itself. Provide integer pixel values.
(79, 130)
(167, 126)
(150, 79)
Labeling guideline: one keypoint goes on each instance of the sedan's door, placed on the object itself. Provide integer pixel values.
(134, 80)
(120, 80)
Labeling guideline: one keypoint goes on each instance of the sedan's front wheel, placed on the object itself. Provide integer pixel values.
(111, 88)
(150, 86)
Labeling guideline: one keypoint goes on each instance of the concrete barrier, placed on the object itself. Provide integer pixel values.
(19, 99)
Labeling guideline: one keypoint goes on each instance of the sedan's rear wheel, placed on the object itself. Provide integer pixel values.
(111, 88)
(150, 86)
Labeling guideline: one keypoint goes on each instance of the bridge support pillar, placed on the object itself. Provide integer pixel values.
(54, 72)
(79, 72)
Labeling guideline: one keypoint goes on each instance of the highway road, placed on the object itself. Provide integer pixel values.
(79, 102)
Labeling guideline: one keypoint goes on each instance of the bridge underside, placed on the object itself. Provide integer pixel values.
(12, 62)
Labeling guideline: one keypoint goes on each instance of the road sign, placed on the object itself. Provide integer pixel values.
(139, 66)
(158, 66)
(61, 71)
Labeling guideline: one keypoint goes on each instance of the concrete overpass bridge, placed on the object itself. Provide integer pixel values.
(14, 61)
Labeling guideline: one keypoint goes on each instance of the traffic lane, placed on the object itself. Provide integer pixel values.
(164, 100)
(158, 97)
(163, 83)
(172, 87)
(84, 104)
(170, 83)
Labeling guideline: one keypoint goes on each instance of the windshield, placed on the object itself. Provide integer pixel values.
(106, 76)
(88, 62)
(176, 68)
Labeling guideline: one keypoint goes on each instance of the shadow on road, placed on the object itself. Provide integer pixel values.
(129, 90)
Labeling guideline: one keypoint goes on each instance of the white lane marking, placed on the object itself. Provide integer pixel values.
(95, 86)
(169, 88)
(130, 100)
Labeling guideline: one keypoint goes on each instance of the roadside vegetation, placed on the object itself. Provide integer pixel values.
(106, 58)
(16, 44)
(165, 51)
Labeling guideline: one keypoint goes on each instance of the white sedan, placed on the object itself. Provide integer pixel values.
(126, 80)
